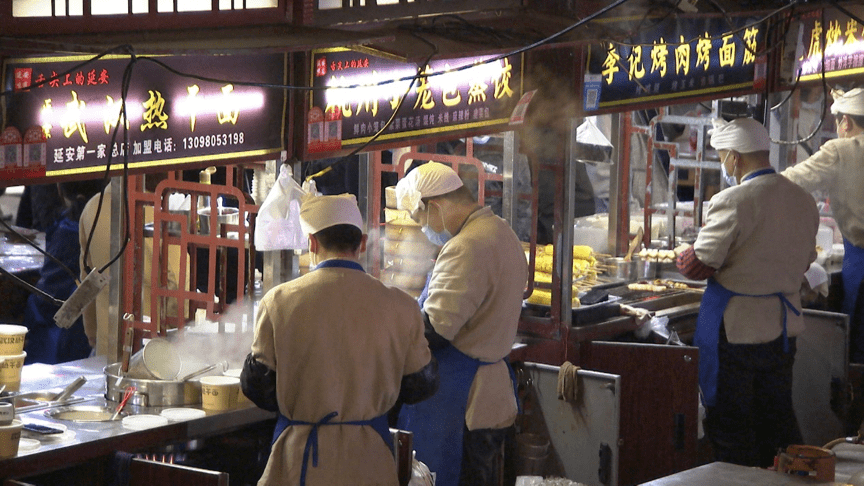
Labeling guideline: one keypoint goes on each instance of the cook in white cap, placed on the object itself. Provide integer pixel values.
(838, 168)
(758, 240)
(333, 351)
(471, 310)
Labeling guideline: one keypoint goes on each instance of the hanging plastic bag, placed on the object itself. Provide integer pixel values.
(278, 224)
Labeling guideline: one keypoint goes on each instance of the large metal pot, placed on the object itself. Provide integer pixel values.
(151, 393)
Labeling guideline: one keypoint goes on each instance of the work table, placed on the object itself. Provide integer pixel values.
(93, 440)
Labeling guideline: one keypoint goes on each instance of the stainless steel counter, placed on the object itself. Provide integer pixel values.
(725, 474)
(84, 441)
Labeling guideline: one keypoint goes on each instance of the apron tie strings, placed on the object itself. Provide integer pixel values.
(795, 311)
(379, 424)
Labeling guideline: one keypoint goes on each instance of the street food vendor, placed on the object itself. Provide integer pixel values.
(838, 167)
(471, 311)
(340, 348)
(758, 240)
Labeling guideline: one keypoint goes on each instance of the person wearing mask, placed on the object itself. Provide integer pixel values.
(46, 342)
(838, 169)
(758, 240)
(333, 351)
(471, 310)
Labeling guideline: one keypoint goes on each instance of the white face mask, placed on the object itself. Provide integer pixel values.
(436, 237)
(729, 178)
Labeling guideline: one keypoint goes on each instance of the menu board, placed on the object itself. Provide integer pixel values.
(178, 110)
(676, 60)
(356, 93)
(829, 42)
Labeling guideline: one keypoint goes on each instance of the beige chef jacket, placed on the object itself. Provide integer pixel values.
(340, 341)
(837, 167)
(95, 316)
(761, 238)
(475, 299)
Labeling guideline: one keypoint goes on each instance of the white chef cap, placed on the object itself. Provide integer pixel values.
(743, 135)
(428, 180)
(320, 212)
(849, 103)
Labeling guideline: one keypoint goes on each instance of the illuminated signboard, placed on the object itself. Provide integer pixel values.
(843, 41)
(171, 119)
(674, 60)
(451, 95)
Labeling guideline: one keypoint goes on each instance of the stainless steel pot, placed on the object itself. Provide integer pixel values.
(623, 269)
(151, 393)
(649, 269)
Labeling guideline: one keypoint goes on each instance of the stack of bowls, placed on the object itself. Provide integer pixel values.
(12, 355)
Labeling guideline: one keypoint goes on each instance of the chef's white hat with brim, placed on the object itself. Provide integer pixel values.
(321, 212)
(848, 102)
(743, 135)
(427, 180)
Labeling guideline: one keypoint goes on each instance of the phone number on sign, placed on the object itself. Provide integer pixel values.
(220, 140)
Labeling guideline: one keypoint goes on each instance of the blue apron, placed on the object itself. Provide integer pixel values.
(853, 274)
(707, 335)
(282, 422)
(439, 422)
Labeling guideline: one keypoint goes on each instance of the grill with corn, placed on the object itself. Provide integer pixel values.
(584, 269)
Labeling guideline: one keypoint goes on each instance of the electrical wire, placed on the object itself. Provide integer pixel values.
(735, 31)
(825, 93)
(839, 7)
(121, 120)
(497, 58)
(420, 72)
(71, 70)
(31, 288)
(125, 48)
(37, 247)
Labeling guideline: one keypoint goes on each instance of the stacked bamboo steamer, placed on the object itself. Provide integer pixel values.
(408, 254)
(12, 355)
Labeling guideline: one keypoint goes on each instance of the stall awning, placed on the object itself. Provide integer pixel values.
(226, 40)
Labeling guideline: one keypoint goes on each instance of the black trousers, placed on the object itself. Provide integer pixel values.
(488, 457)
(753, 416)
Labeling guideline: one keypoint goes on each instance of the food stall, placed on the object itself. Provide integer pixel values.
(532, 107)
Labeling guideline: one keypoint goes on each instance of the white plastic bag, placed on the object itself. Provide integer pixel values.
(278, 224)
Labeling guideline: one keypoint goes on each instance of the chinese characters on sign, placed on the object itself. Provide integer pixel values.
(170, 119)
(834, 37)
(365, 90)
(675, 61)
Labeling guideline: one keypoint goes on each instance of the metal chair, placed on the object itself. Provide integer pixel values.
(144, 472)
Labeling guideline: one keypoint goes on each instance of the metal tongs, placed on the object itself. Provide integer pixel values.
(126, 396)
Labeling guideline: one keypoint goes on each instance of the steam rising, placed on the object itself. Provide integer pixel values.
(203, 343)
